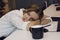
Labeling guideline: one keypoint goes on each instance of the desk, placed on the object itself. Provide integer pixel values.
(52, 36)
(51, 11)
(24, 35)
(20, 35)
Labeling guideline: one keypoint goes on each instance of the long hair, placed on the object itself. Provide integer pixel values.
(36, 8)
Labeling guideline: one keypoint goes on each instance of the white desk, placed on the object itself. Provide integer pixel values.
(20, 35)
(51, 11)
(24, 35)
(52, 36)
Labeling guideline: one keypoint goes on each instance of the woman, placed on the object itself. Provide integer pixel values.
(41, 18)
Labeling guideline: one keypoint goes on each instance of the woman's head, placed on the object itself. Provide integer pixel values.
(35, 12)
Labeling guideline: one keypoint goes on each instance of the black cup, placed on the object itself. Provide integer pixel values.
(37, 33)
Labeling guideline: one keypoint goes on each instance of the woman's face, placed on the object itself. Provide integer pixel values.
(30, 15)
(33, 15)
(26, 17)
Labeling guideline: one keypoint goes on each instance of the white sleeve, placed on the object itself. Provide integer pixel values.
(16, 20)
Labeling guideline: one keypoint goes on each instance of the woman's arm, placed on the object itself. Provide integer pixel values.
(32, 23)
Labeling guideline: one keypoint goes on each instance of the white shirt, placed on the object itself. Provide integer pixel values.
(11, 21)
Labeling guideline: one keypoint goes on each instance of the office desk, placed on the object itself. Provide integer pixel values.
(51, 11)
(20, 35)
(52, 36)
(24, 35)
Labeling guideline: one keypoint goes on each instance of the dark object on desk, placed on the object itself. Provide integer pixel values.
(37, 33)
(57, 8)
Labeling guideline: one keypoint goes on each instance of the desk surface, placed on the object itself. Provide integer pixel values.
(52, 36)
(20, 35)
(51, 11)
(24, 35)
